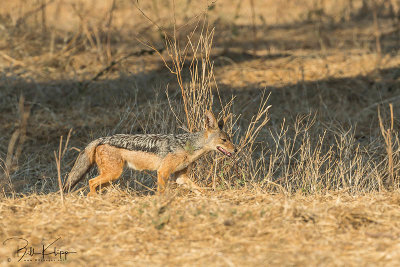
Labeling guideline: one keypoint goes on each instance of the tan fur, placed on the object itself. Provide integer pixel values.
(140, 160)
(111, 160)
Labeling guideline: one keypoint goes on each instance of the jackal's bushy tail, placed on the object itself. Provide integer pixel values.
(82, 165)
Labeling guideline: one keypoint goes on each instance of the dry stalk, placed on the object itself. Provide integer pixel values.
(15, 145)
(108, 26)
(256, 124)
(58, 157)
(377, 34)
(18, 138)
(43, 15)
(395, 7)
(253, 22)
(6, 175)
(387, 136)
(30, 13)
(197, 97)
(197, 94)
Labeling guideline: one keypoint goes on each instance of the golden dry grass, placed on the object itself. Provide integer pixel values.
(227, 228)
(316, 186)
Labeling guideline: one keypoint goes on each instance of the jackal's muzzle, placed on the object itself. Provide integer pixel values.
(225, 152)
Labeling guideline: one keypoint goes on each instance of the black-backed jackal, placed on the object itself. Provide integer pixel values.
(166, 154)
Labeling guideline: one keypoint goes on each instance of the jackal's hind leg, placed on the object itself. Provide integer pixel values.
(100, 180)
(110, 165)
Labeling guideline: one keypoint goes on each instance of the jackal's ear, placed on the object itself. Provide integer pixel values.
(221, 124)
(223, 121)
(210, 120)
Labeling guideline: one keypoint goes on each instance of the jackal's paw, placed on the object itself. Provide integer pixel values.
(189, 185)
(91, 194)
(181, 181)
(197, 191)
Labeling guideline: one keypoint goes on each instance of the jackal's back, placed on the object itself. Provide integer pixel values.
(160, 144)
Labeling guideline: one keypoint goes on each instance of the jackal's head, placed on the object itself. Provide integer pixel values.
(215, 137)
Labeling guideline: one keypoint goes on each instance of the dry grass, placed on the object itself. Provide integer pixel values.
(317, 176)
(224, 228)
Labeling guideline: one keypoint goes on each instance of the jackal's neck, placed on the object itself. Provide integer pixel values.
(193, 141)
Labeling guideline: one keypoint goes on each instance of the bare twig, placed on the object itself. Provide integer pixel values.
(12, 60)
(387, 136)
(18, 138)
(58, 157)
(32, 12)
(377, 35)
(66, 143)
(253, 22)
(115, 62)
(109, 23)
(43, 14)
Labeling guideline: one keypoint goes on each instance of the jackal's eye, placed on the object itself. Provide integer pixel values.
(223, 140)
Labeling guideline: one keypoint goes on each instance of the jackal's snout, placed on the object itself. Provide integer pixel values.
(226, 147)
(226, 152)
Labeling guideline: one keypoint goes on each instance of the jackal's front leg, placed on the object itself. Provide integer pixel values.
(183, 179)
(162, 180)
(169, 165)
